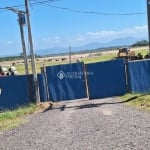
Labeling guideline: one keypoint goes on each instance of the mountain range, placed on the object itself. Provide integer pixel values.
(119, 42)
(116, 42)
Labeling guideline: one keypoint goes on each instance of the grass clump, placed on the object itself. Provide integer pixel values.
(138, 100)
(12, 118)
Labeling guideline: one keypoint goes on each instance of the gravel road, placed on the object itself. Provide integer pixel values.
(101, 124)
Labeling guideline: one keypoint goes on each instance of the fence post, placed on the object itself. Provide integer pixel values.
(43, 70)
(126, 74)
(86, 80)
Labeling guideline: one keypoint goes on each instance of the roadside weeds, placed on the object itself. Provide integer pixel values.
(138, 100)
(13, 118)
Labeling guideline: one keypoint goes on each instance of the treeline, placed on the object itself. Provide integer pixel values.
(10, 58)
(140, 43)
(13, 58)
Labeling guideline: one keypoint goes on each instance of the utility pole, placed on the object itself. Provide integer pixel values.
(33, 64)
(23, 44)
(21, 21)
(148, 18)
(70, 54)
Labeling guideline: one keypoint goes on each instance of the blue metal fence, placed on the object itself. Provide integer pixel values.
(106, 79)
(19, 90)
(43, 87)
(66, 82)
(139, 76)
(14, 91)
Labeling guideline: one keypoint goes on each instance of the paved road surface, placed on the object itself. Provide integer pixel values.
(82, 125)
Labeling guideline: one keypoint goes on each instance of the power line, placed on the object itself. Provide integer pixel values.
(15, 6)
(33, 2)
(97, 13)
(89, 12)
(46, 3)
(20, 6)
(45, 0)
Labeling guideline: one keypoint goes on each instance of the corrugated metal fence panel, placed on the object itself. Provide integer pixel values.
(66, 82)
(106, 79)
(42, 87)
(31, 89)
(139, 76)
(14, 91)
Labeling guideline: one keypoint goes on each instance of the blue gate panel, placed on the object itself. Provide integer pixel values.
(42, 87)
(106, 79)
(66, 82)
(14, 91)
(139, 76)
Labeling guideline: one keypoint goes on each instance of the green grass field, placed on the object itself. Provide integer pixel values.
(141, 101)
(21, 68)
(103, 57)
(10, 119)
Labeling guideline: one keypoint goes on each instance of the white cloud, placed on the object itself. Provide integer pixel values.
(10, 42)
(107, 35)
(55, 39)
(79, 38)
(101, 33)
(48, 42)
(89, 37)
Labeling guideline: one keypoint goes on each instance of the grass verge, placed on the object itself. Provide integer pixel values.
(141, 101)
(13, 118)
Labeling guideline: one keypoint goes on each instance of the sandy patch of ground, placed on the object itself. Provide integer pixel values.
(44, 106)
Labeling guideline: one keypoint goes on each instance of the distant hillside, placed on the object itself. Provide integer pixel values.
(91, 46)
(140, 43)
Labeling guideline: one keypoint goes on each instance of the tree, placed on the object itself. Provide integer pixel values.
(140, 43)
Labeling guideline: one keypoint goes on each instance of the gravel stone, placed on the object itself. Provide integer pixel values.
(102, 124)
